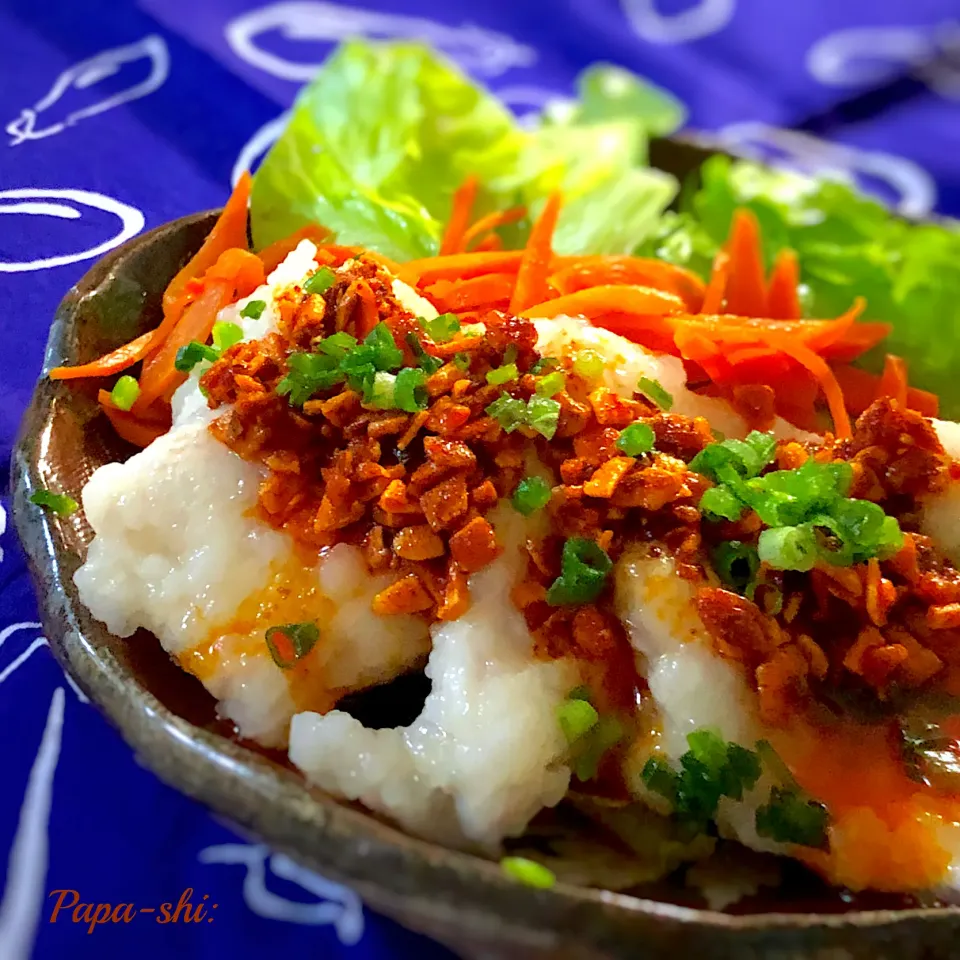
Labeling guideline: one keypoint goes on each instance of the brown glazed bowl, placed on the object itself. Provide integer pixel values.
(167, 718)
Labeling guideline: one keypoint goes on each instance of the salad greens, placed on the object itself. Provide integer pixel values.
(385, 133)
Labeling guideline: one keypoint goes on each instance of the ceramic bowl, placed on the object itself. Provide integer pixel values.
(168, 719)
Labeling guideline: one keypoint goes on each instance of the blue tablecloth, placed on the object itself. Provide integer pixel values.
(120, 116)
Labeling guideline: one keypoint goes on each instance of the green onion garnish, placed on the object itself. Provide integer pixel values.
(636, 439)
(544, 365)
(473, 329)
(462, 361)
(720, 502)
(736, 564)
(501, 375)
(226, 335)
(308, 373)
(321, 281)
(576, 718)
(583, 573)
(593, 745)
(58, 503)
(291, 642)
(337, 344)
(653, 389)
(125, 392)
(410, 391)
(532, 494)
(528, 872)
(790, 816)
(189, 355)
(442, 328)
(424, 360)
(254, 309)
(543, 415)
(788, 548)
(551, 384)
(745, 458)
(381, 390)
(588, 364)
(508, 411)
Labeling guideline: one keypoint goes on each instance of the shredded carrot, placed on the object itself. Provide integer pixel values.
(490, 242)
(534, 268)
(114, 362)
(835, 331)
(713, 298)
(490, 222)
(229, 231)
(594, 301)
(274, 254)
(861, 388)
(483, 291)
(140, 433)
(893, 382)
(860, 338)
(369, 311)
(746, 293)
(783, 299)
(825, 377)
(582, 272)
(463, 200)
(459, 266)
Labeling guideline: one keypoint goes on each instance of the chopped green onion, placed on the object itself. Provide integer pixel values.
(410, 391)
(789, 548)
(582, 692)
(544, 365)
(576, 718)
(386, 354)
(473, 329)
(790, 816)
(254, 309)
(501, 375)
(307, 374)
(653, 389)
(321, 281)
(543, 415)
(58, 503)
(382, 390)
(746, 457)
(532, 494)
(442, 328)
(125, 392)
(551, 384)
(736, 564)
(528, 872)
(226, 335)
(588, 364)
(607, 733)
(337, 344)
(189, 355)
(636, 439)
(291, 642)
(462, 361)
(508, 411)
(424, 360)
(584, 567)
(721, 502)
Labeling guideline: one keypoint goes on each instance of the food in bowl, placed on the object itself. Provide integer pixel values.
(658, 542)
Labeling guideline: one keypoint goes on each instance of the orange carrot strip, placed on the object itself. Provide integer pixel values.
(473, 293)
(893, 382)
(491, 241)
(274, 254)
(594, 301)
(835, 331)
(140, 433)
(716, 290)
(196, 323)
(490, 222)
(369, 311)
(459, 266)
(825, 376)
(783, 300)
(531, 285)
(596, 271)
(114, 362)
(746, 289)
(858, 340)
(463, 200)
(860, 389)
(230, 230)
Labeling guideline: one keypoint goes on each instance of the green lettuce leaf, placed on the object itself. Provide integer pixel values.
(385, 133)
(848, 245)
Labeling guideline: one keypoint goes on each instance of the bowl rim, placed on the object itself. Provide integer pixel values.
(381, 862)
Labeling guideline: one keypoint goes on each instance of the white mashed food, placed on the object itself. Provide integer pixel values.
(486, 753)
(178, 552)
(940, 516)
